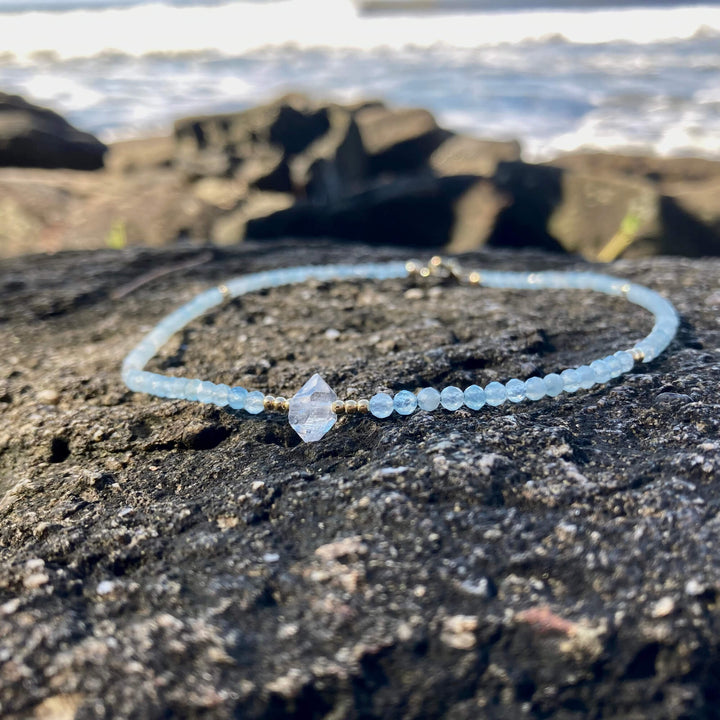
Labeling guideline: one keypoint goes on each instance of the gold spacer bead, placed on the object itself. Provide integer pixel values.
(351, 406)
(363, 406)
(338, 407)
(436, 261)
(269, 402)
(281, 404)
(474, 278)
(225, 292)
(425, 272)
(637, 354)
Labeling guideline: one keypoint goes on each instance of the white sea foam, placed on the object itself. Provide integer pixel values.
(234, 29)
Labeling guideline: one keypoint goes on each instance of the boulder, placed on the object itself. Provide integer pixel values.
(398, 141)
(264, 137)
(231, 228)
(464, 155)
(32, 136)
(336, 164)
(421, 211)
(555, 559)
(599, 216)
(51, 210)
(140, 154)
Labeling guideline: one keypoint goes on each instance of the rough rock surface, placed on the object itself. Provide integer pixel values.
(32, 136)
(164, 559)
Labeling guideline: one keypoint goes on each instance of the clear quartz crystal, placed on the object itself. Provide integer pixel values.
(310, 413)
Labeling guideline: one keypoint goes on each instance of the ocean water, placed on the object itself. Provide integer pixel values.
(642, 79)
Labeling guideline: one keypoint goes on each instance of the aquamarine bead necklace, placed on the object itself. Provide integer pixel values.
(313, 410)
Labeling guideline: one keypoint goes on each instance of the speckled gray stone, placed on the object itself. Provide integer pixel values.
(553, 559)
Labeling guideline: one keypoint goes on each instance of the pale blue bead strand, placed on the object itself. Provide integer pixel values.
(599, 371)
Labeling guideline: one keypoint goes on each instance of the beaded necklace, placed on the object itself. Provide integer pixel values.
(313, 410)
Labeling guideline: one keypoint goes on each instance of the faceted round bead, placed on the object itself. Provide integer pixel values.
(515, 390)
(255, 402)
(404, 402)
(495, 393)
(220, 395)
(626, 360)
(534, 388)
(206, 392)
(601, 370)
(571, 380)
(237, 397)
(587, 377)
(613, 365)
(474, 397)
(192, 389)
(158, 386)
(381, 405)
(428, 399)
(452, 398)
(553, 384)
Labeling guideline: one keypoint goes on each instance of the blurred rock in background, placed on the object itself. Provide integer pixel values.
(361, 172)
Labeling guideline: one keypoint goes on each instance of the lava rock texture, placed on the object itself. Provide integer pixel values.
(164, 559)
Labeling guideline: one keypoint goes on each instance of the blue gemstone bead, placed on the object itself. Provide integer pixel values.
(206, 392)
(474, 397)
(220, 395)
(571, 380)
(404, 402)
(601, 370)
(626, 360)
(587, 377)
(534, 388)
(613, 365)
(515, 390)
(237, 397)
(553, 384)
(255, 402)
(428, 399)
(381, 405)
(495, 393)
(192, 388)
(452, 398)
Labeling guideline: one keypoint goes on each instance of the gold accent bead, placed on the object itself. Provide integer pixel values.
(281, 404)
(338, 407)
(225, 291)
(363, 406)
(436, 261)
(412, 267)
(625, 288)
(351, 406)
(425, 272)
(474, 278)
(269, 402)
(637, 354)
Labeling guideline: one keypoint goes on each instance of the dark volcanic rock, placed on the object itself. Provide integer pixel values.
(31, 136)
(165, 559)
